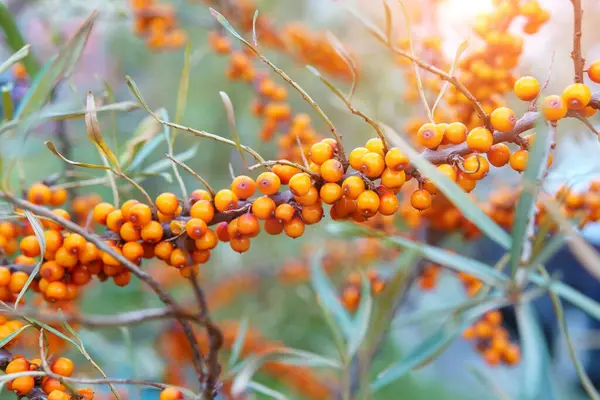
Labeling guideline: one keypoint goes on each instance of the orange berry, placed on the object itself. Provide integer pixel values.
(268, 183)
(393, 179)
(480, 140)
(491, 356)
(285, 212)
(248, 225)
(294, 228)
(66, 258)
(226, 200)
(332, 170)
(133, 251)
(196, 228)
(420, 199)
(56, 291)
(23, 385)
(388, 204)
(588, 112)
(101, 212)
(30, 246)
(59, 196)
(475, 167)
(351, 298)
(263, 207)
(498, 155)
(308, 199)
(503, 119)
(74, 243)
(456, 133)
(7, 229)
(50, 384)
(58, 395)
(240, 244)
(51, 271)
(204, 210)
(167, 203)
(430, 135)
(494, 317)
(199, 194)
(140, 215)
(62, 366)
(554, 108)
(527, 88)
(170, 394)
(372, 165)
(593, 71)
(163, 250)
(285, 172)
(395, 159)
(80, 276)
(511, 354)
(300, 184)
(4, 276)
(273, 226)
(321, 152)
(355, 157)
(152, 232)
(329, 193)
(178, 258)
(448, 170)
(129, 232)
(115, 220)
(243, 186)
(60, 213)
(576, 96)
(368, 203)
(39, 194)
(208, 241)
(312, 214)
(53, 239)
(353, 186)
(375, 145)
(518, 160)
(17, 365)
(127, 206)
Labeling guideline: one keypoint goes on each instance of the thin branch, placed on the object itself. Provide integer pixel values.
(285, 162)
(578, 60)
(193, 173)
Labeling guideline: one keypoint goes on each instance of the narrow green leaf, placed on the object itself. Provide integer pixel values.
(254, 36)
(327, 83)
(59, 67)
(361, 322)
(223, 21)
(327, 297)
(232, 125)
(7, 102)
(15, 58)
(265, 390)
(526, 203)
(184, 83)
(38, 230)
(459, 51)
(13, 335)
(143, 142)
(14, 39)
(95, 135)
(236, 349)
(452, 191)
(136, 92)
(341, 50)
(537, 382)
(52, 148)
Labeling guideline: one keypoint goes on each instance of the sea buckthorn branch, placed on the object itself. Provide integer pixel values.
(165, 297)
(578, 60)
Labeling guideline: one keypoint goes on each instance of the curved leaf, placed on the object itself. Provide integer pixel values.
(52, 148)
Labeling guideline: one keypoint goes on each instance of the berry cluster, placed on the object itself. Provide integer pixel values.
(350, 297)
(157, 24)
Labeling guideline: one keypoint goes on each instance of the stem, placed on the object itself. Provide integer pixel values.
(578, 60)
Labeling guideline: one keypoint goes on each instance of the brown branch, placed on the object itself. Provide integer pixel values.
(164, 296)
(578, 60)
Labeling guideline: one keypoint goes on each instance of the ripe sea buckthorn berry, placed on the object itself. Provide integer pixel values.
(50, 384)
(58, 395)
(163, 250)
(494, 317)
(109, 260)
(268, 183)
(368, 203)
(355, 157)
(554, 108)
(199, 194)
(588, 111)
(475, 167)
(351, 297)
(285, 172)
(200, 256)
(51, 271)
(430, 135)
(17, 365)
(129, 232)
(222, 231)
(511, 354)
(353, 186)
(17, 281)
(240, 244)
(140, 214)
(39, 194)
(65, 258)
(127, 206)
(170, 394)
(448, 170)
(420, 199)
(30, 246)
(518, 160)
(375, 145)
(226, 200)
(316, 168)
(498, 155)
(62, 366)
(74, 243)
(232, 229)
(456, 133)
(101, 212)
(53, 240)
(80, 276)
(332, 170)
(308, 199)
(263, 207)
(285, 212)
(527, 88)
(503, 119)
(321, 152)
(167, 203)
(329, 193)
(115, 220)
(178, 258)
(393, 179)
(395, 159)
(294, 228)
(53, 225)
(243, 186)
(480, 140)
(23, 385)
(4, 276)
(248, 225)
(56, 291)
(204, 210)
(58, 197)
(152, 232)
(133, 251)
(300, 184)
(372, 165)
(89, 253)
(196, 228)
(491, 357)
(576, 96)
(388, 203)
(7, 229)
(593, 71)
(273, 226)
(208, 241)
(312, 214)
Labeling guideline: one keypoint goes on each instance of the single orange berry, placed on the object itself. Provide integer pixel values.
(294, 228)
(329, 193)
(127, 206)
(593, 71)
(503, 119)
(393, 179)
(372, 165)
(207, 242)
(263, 207)
(268, 183)
(59, 196)
(196, 228)
(62, 366)
(577, 96)
(321, 152)
(312, 197)
(17, 281)
(285, 172)
(475, 167)
(273, 226)
(448, 170)
(204, 210)
(430, 135)
(388, 203)
(30, 246)
(554, 108)
(395, 159)
(240, 244)
(285, 212)
(498, 155)
(199, 194)
(101, 211)
(140, 215)
(167, 203)
(312, 214)
(130, 233)
(518, 160)
(56, 291)
(368, 203)
(300, 184)
(133, 251)
(17, 365)
(59, 212)
(420, 199)
(456, 133)
(355, 157)
(170, 394)
(74, 243)
(353, 186)
(332, 170)
(51, 271)
(243, 186)
(511, 354)
(23, 385)
(375, 145)
(115, 220)
(89, 253)
(39, 194)
(163, 250)
(480, 140)
(226, 200)
(527, 88)
(152, 232)
(248, 225)
(54, 240)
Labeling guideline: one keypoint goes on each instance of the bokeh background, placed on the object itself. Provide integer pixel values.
(287, 313)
